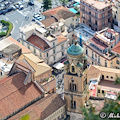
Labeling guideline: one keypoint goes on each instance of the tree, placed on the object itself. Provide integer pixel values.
(47, 4)
(110, 106)
(63, 2)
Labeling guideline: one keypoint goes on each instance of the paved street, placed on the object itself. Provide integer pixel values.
(17, 18)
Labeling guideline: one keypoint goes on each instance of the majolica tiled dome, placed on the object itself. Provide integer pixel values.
(75, 49)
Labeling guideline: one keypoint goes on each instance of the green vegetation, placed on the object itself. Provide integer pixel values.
(47, 4)
(63, 2)
(8, 25)
(2, 34)
(25, 117)
(110, 106)
(117, 81)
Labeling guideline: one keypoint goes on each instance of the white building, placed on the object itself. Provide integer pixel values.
(49, 38)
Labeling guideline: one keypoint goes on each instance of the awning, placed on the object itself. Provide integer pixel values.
(73, 10)
(58, 66)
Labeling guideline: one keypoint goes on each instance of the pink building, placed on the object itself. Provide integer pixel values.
(96, 13)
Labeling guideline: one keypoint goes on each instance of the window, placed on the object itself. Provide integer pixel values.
(89, 12)
(102, 91)
(103, 23)
(40, 54)
(73, 104)
(72, 87)
(95, 22)
(96, 15)
(83, 15)
(86, 51)
(92, 54)
(47, 54)
(28, 46)
(53, 44)
(111, 77)
(73, 69)
(116, 11)
(115, 17)
(108, 13)
(107, 77)
(103, 15)
(35, 51)
(54, 58)
(89, 19)
(109, 20)
(76, 19)
(98, 90)
(117, 62)
(98, 59)
(54, 51)
(84, 8)
(62, 53)
(92, 63)
(105, 63)
(73, 19)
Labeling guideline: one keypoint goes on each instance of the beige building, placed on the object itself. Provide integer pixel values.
(116, 51)
(106, 80)
(98, 48)
(50, 38)
(96, 13)
(75, 80)
(36, 70)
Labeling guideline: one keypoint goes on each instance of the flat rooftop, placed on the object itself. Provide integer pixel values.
(109, 85)
(99, 4)
(84, 32)
(108, 36)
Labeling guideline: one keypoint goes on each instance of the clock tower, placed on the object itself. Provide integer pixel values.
(75, 79)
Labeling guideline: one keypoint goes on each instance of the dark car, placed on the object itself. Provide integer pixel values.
(9, 9)
(31, 3)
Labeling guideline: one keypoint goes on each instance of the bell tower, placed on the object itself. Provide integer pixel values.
(75, 79)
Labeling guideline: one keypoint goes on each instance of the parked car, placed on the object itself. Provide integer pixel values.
(17, 6)
(33, 19)
(6, 3)
(31, 3)
(21, 7)
(13, 7)
(9, 9)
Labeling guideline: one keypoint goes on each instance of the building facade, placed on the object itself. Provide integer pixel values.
(96, 13)
(98, 48)
(75, 79)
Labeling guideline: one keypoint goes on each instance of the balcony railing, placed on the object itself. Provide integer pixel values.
(100, 19)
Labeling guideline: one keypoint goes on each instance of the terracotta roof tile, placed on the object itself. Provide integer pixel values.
(38, 42)
(117, 48)
(61, 11)
(43, 108)
(14, 94)
(98, 43)
(48, 21)
(61, 38)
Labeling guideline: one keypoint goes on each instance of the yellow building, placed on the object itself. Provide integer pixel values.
(36, 70)
(106, 80)
(75, 79)
(98, 48)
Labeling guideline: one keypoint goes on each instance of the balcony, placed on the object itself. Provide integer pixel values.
(100, 19)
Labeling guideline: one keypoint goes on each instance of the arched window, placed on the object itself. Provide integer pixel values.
(73, 104)
(73, 69)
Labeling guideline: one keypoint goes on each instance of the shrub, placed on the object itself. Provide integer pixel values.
(2, 34)
(25, 117)
(9, 25)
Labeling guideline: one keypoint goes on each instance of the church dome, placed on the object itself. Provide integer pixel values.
(75, 49)
(85, 58)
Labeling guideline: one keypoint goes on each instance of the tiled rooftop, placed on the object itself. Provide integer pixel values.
(60, 11)
(117, 48)
(14, 94)
(43, 108)
(38, 42)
